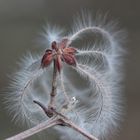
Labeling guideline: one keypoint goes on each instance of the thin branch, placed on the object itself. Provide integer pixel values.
(38, 128)
(51, 105)
(54, 86)
(46, 110)
(80, 130)
(59, 119)
(66, 122)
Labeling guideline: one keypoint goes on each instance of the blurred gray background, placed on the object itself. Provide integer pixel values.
(22, 20)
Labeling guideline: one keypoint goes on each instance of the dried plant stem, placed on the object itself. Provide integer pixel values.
(40, 127)
(51, 105)
(54, 86)
(59, 119)
(80, 130)
(66, 122)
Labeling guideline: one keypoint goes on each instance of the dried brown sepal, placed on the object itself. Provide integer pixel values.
(47, 58)
(60, 52)
(69, 59)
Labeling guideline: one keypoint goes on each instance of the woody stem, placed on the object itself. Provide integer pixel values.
(61, 119)
(54, 86)
(34, 130)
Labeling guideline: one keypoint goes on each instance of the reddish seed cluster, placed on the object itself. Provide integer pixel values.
(60, 52)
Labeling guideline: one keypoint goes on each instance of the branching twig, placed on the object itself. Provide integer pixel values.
(59, 119)
(80, 130)
(51, 105)
(54, 86)
(40, 127)
(66, 122)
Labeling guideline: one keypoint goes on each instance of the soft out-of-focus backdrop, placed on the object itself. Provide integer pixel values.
(22, 20)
